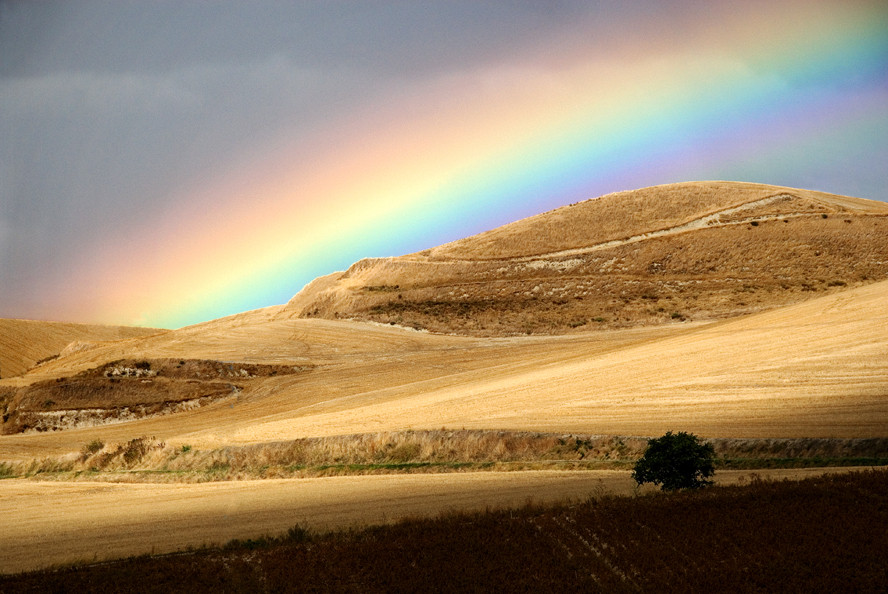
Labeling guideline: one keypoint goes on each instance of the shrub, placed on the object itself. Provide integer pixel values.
(676, 461)
(93, 447)
(135, 450)
(6, 470)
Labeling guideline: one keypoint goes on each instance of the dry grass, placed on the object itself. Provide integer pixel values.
(624, 214)
(23, 343)
(438, 451)
(376, 453)
(627, 259)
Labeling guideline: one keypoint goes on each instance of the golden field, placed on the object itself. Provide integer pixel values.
(709, 324)
(814, 369)
(23, 343)
(59, 523)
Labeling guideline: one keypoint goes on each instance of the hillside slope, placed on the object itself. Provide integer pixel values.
(25, 342)
(697, 250)
(814, 369)
(721, 250)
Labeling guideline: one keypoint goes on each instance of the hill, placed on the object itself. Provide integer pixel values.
(25, 342)
(722, 249)
(813, 369)
(689, 251)
(768, 337)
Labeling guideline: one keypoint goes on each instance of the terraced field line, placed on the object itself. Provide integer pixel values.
(692, 225)
(699, 223)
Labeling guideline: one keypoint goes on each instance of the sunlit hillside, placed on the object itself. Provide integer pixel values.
(24, 343)
(542, 353)
(660, 255)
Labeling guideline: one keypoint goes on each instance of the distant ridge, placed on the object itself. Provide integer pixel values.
(25, 342)
(663, 254)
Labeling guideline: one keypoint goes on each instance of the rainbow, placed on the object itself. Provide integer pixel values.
(453, 156)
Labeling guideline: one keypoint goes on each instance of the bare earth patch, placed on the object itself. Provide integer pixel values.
(125, 390)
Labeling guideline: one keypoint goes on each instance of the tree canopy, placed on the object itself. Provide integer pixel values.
(676, 461)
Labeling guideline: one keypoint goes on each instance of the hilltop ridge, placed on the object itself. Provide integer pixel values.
(658, 255)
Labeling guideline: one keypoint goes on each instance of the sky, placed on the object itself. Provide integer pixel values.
(168, 163)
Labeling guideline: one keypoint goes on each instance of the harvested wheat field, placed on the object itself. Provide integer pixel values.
(746, 314)
(814, 369)
(58, 523)
(808, 535)
(25, 343)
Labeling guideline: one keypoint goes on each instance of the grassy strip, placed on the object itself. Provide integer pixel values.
(815, 535)
(7, 470)
(223, 472)
(815, 462)
(422, 451)
(397, 467)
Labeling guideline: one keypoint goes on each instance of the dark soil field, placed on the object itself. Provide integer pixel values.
(825, 534)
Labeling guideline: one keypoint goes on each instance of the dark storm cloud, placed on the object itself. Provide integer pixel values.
(107, 107)
(405, 37)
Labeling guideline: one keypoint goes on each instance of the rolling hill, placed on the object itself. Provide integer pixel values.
(25, 342)
(740, 312)
(698, 251)
(814, 369)
(810, 363)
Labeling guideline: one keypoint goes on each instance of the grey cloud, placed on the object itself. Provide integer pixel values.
(407, 36)
(86, 152)
(102, 92)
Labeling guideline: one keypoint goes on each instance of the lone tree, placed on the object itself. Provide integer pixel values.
(676, 461)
